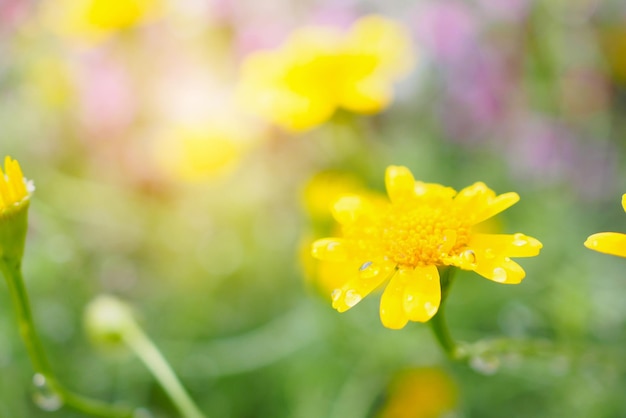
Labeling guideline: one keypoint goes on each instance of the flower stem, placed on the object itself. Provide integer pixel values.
(45, 377)
(438, 322)
(145, 349)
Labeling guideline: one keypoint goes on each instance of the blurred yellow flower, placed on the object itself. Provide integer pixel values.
(93, 20)
(320, 69)
(47, 80)
(200, 152)
(426, 392)
(14, 200)
(404, 240)
(612, 243)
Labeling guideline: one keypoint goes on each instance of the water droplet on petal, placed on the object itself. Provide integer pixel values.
(335, 295)
(520, 240)
(351, 298)
(409, 298)
(499, 275)
(485, 364)
(490, 254)
(468, 257)
(365, 265)
(44, 396)
(431, 309)
(368, 270)
(592, 243)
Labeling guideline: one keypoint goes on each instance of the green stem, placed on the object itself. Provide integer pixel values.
(46, 379)
(438, 322)
(156, 363)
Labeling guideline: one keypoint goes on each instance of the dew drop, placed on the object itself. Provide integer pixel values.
(368, 270)
(468, 256)
(44, 396)
(485, 364)
(331, 246)
(335, 295)
(365, 265)
(431, 309)
(499, 275)
(592, 243)
(520, 240)
(409, 298)
(352, 298)
(490, 254)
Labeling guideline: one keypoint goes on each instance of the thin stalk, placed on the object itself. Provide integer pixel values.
(438, 322)
(145, 349)
(15, 283)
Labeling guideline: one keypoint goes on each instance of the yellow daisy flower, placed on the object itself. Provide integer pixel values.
(423, 226)
(319, 69)
(612, 243)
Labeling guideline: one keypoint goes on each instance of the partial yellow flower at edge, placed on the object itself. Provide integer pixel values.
(612, 243)
(15, 193)
(94, 20)
(403, 241)
(13, 186)
(424, 392)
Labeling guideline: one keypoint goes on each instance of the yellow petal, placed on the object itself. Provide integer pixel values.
(422, 294)
(500, 269)
(330, 249)
(433, 191)
(624, 202)
(608, 242)
(500, 245)
(367, 96)
(347, 209)
(497, 205)
(385, 40)
(475, 196)
(5, 196)
(14, 172)
(392, 313)
(482, 202)
(360, 282)
(400, 183)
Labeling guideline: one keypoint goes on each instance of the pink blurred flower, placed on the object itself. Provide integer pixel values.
(12, 13)
(446, 28)
(106, 96)
(549, 152)
(476, 97)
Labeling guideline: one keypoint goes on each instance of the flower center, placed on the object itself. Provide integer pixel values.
(424, 235)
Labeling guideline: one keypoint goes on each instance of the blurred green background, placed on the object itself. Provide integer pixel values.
(209, 243)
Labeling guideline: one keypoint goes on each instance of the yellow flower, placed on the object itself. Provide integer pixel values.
(13, 191)
(14, 200)
(94, 20)
(612, 243)
(319, 69)
(197, 152)
(425, 392)
(423, 226)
